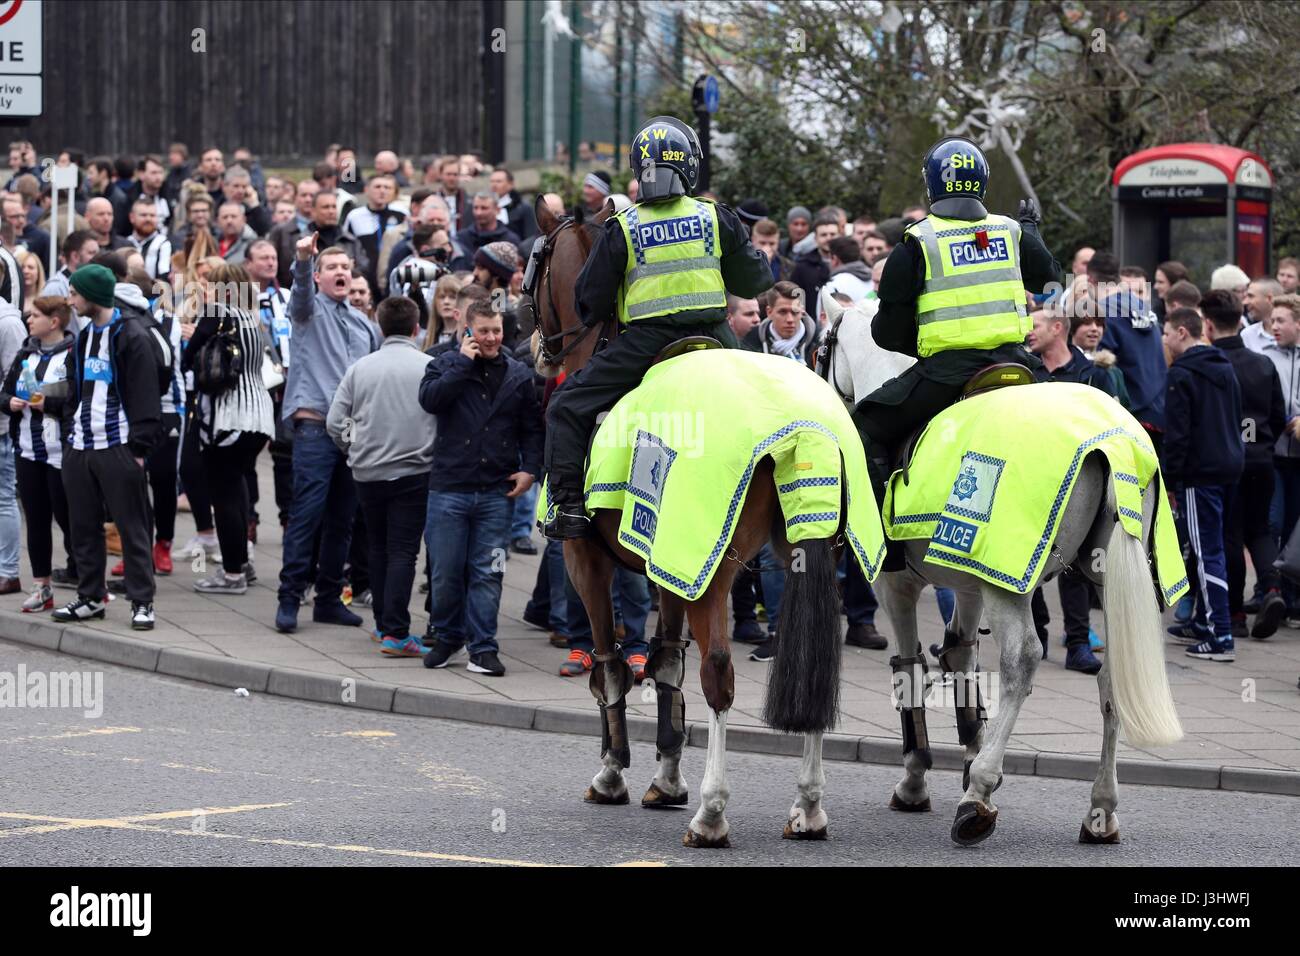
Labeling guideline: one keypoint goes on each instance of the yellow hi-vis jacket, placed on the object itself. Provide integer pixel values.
(974, 297)
(673, 259)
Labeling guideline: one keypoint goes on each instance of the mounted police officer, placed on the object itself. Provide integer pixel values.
(953, 295)
(664, 267)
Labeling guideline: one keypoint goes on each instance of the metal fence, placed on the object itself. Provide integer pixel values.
(282, 77)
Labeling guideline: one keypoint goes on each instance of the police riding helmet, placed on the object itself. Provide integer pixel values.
(665, 156)
(954, 167)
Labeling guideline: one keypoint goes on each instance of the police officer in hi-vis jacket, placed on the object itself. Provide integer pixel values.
(664, 267)
(953, 295)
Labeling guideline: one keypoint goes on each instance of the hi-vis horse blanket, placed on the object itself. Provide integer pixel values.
(676, 455)
(991, 476)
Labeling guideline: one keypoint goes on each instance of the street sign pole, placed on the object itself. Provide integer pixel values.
(63, 179)
(704, 98)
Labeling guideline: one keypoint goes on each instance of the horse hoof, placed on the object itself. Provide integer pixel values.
(604, 799)
(697, 841)
(896, 804)
(1089, 835)
(974, 822)
(655, 799)
(790, 833)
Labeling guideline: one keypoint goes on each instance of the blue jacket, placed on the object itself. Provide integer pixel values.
(1133, 333)
(481, 441)
(1202, 443)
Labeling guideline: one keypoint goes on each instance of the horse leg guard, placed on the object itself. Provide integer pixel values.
(608, 786)
(667, 668)
(910, 699)
(613, 732)
(613, 738)
(911, 705)
(971, 718)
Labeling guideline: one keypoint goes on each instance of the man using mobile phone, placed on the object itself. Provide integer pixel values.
(488, 452)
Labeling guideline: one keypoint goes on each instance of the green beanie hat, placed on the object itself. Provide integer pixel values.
(96, 283)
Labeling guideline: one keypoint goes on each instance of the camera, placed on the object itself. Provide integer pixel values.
(422, 271)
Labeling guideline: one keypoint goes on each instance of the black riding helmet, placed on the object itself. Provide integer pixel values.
(665, 156)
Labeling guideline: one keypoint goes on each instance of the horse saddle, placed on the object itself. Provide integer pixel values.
(691, 343)
(998, 375)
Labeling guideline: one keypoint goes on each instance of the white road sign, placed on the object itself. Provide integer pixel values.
(21, 92)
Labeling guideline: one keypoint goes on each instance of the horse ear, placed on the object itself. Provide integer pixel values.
(830, 305)
(606, 211)
(546, 219)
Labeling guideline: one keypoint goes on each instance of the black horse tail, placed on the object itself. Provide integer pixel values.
(803, 688)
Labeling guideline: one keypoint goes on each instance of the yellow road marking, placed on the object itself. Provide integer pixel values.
(92, 732)
(49, 824)
(113, 823)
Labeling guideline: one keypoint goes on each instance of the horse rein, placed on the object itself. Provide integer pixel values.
(582, 330)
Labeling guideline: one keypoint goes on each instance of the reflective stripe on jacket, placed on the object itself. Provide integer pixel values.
(674, 259)
(974, 297)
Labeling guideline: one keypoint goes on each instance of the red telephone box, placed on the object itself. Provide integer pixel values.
(1201, 204)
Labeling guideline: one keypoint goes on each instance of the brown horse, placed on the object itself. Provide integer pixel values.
(803, 688)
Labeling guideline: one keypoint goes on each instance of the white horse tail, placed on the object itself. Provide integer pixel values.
(1135, 655)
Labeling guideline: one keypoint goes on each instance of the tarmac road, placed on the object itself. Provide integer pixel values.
(289, 783)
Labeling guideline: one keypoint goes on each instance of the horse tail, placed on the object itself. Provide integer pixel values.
(1135, 654)
(803, 688)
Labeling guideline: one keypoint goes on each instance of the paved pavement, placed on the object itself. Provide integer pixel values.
(179, 773)
(1245, 714)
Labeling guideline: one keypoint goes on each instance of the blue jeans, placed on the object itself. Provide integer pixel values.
(860, 603)
(10, 528)
(1286, 508)
(765, 583)
(466, 534)
(523, 519)
(947, 602)
(324, 501)
(631, 596)
(548, 591)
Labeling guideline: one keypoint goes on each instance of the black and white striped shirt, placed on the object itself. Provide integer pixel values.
(11, 279)
(157, 252)
(173, 400)
(100, 420)
(247, 406)
(273, 307)
(39, 435)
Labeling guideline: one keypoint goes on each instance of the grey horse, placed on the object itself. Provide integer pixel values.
(1134, 688)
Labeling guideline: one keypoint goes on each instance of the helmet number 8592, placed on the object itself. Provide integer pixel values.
(671, 155)
(962, 186)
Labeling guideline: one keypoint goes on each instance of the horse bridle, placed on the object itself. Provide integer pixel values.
(547, 341)
(826, 354)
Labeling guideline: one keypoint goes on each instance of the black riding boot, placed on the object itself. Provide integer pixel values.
(570, 518)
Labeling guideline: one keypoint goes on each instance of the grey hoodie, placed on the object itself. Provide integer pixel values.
(375, 418)
(238, 250)
(13, 332)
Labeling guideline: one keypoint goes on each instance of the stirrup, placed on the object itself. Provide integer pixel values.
(565, 526)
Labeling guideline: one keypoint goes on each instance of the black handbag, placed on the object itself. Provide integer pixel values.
(220, 361)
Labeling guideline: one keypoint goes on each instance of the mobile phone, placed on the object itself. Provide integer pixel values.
(468, 333)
